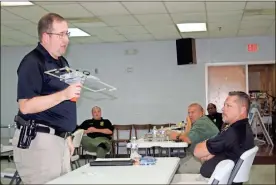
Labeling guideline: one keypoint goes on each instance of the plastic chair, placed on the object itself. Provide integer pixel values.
(12, 174)
(77, 136)
(241, 171)
(220, 175)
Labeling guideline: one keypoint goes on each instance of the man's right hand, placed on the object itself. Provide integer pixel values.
(73, 91)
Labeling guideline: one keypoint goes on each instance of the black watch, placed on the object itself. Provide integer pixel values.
(177, 137)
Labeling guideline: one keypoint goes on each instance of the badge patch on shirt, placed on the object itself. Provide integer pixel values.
(102, 123)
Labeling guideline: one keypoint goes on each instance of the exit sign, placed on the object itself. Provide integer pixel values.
(252, 47)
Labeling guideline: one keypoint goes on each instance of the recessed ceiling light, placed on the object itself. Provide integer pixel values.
(76, 32)
(192, 27)
(18, 3)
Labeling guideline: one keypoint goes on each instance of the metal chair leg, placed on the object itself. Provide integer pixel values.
(78, 163)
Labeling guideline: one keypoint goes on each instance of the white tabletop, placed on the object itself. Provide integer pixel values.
(160, 173)
(6, 148)
(163, 144)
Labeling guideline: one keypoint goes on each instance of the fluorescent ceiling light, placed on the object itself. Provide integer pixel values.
(18, 3)
(192, 27)
(76, 32)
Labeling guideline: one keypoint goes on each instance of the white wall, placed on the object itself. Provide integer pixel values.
(157, 91)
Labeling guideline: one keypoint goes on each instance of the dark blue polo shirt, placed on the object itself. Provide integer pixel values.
(32, 81)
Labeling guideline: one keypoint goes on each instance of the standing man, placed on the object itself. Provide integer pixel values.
(231, 142)
(215, 116)
(99, 133)
(45, 102)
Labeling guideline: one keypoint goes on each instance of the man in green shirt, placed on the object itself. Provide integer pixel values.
(199, 128)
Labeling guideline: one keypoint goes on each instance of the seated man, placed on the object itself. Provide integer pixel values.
(233, 140)
(99, 133)
(201, 128)
(215, 116)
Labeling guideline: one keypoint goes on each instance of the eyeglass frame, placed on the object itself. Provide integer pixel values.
(61, 35)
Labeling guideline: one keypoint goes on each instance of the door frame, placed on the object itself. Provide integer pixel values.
(232, 64)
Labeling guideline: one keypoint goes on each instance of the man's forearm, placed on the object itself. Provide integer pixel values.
(104, 131)
(40, 103)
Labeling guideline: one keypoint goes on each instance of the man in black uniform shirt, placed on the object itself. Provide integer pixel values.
(232, 142)
(215, 116)
(99, 134)
(45, 100)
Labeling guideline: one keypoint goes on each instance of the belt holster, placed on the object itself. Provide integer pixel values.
(27, 133)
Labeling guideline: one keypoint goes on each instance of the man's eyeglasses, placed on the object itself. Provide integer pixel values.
(61, 35)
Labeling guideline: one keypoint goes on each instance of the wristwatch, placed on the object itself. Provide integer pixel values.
(177, 137)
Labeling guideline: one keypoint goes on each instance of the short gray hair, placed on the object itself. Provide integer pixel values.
(243, 98)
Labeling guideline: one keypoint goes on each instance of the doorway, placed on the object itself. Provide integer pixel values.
(223, 79)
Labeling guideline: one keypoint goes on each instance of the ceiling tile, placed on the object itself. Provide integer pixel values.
(254, 24)
(11, 42)
(223, 26)
(101, 31)
(221, 6)
(66, 10)
(127, 20)
(25, 26)
(90, 24)
(166, 36)
(252, 32)
(195, 35)
(260, 5)
(44, 2)
(20, 36)
(224, 15)
(145, 7)
(162, 29)
(222, 34)
(105, 8)
(185, 7)
(139, 37)
(33, 13)
(20, 24)
(8, 17)
(154, 19)
(5, 29)
(131, 29)
(258, 18)
(84, 40)
(113, 38)
(188, 17)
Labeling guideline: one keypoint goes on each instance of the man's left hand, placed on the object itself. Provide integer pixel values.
(173, 135)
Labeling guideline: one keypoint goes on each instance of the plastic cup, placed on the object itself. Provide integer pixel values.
(74, 77)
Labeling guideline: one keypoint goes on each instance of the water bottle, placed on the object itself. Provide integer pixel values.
(183, 126)
(162, 133)
(134, 150)
(154, 133)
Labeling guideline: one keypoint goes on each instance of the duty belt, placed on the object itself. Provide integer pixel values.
(43, 129)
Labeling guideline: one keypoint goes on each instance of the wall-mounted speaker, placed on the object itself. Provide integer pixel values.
(186, 51)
